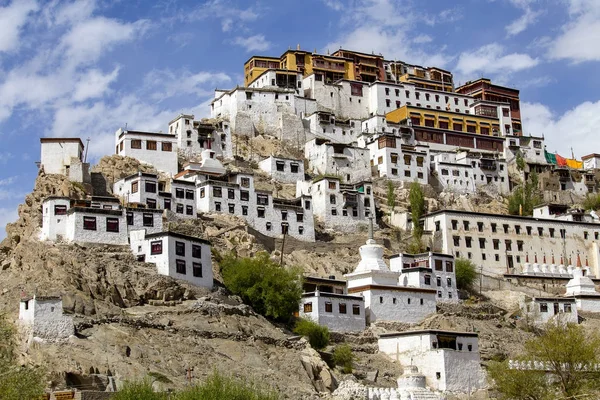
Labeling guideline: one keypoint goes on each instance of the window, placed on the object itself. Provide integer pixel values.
(179, 208)
(439, 294)
(528, 228)
(180, 249)
(407, 174)
(494, 229)
(261, 213)
(482, 243)
(421, 301)
(333, 211)
(496, 257)
(179, 193)
(89, 223)
(300, 230)
(60, 210)
(151, 203)
(563, 233)
(112, 224)
(519, 245)
(245, 195)
(129, 218)
(180, 266)
(217, 191)
(307, 307)
(269, 226)
(332, 185)
(454, 224)
(150, 187)
(245, 182)
(244, 210)
(505, 226)
(438, 281)
(466, 225)
(136, 144)
(231, 208)
(355, 309)
(438, 265)
(518, 229)
(449, 266)
(202, 193)
(540, 232)
(456, 240)
(217, 206)
(299, 217)
(151, 145)
(585, 235)
(167, 204)
(189, 210)
(166, 146)
(508, 245)
(444, 172)
(567, 308)
(342, 308)
(189, 194)
(156, 247)
(394, 300)
(280, 165)
(468, 241)
(197, 270)
(231, 194)
(262, 199)
(328, 306)
(148, 219)
(544, 307)
(294, 168)
(380, 299)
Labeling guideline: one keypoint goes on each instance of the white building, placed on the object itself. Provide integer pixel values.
(64, 156)
(449, 360)
(501, 243)
(341, 160)
(396, 158)
(464, 171)
(582, 288)
(339, 312)
(282, 169)
(89, 221)
(563, 213)
(428, 270)
(278, 78)
(412, 385)
(344, 207)
(385, 298)
(156, 149)
(193, 137)
(273, 111)
(325, 125)
(235, 194)
(591, 161)
(541, 310)
(42, 319)
(175, 255)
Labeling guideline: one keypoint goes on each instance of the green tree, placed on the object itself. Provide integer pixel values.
(416, 199)
(465, 273)
(219, 387)
(526, 196)
(520, 161)
(16, 382)
(569, 356)
(592, 202)
(318, 336)
(391, 196)
(271, 290)
(343, 357)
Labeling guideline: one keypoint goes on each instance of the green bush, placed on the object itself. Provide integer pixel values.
(271, 290)
(343, 357)
(592, 202)
(318, 336)
(141, 390)
(219, 387)
(465, 273)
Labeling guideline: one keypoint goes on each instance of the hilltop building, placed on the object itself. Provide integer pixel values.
(42, 319)
(153, 148)
(64, 156)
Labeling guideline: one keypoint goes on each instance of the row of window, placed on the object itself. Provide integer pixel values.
(189, 210)
(484, 256)
(566, 308)
(181, 268)
(150, 145)
(482, 241)
(260, 211)
(342, 308)
(112, 223)
(407, 173)
(156, 247)
(280, 166)
(517, 229)
(334, 212)
(407, 159)
(427, 96)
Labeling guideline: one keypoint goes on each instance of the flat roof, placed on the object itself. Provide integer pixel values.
(515, 217)
(177, 235)
(422, 255)
(428, 332)
(563, 299)
(593, 155)
(393, 288)
(166, 135)
(58, 140)
(361, 53)
(335, 295)
(324, 280)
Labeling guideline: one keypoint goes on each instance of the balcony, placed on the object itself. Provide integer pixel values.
(486, 112)
(489, 165)
(329, 66)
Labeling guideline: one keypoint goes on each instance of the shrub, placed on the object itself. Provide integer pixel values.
(141, 390)
(465, 273)
(343, 357)
(318, 336)
(220, 387)
(592, 202)
(271, 290)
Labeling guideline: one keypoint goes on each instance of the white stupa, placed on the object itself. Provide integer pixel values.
(580, 284)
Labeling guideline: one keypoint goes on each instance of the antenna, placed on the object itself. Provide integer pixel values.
(87, 146)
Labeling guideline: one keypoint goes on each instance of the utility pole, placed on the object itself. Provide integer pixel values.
(87, 146)
(282, 246)
(480, 278)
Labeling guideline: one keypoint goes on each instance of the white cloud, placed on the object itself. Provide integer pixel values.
(8, 181)
(221, 10)
(334, 4)
(580, 125)
(519, 25)
(94, 84)
(7, 215)
(491, 59)
(386, 27)
(166, 83)
(252, 43)
(4, 157)
(578, 41)
(88, 40)
(12, 19)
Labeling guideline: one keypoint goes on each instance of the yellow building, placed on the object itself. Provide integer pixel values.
(453, 121)
(256, 65)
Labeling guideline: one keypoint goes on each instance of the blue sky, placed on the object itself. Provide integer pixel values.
(86, 68)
